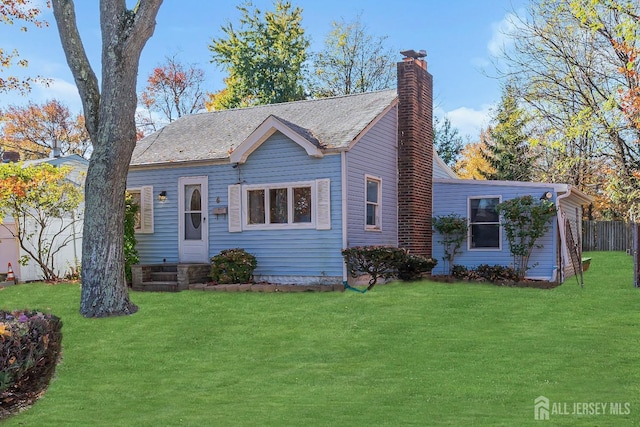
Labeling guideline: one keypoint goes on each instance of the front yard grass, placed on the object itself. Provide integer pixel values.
(403, 354)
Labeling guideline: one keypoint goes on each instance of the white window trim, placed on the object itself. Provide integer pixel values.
(469, 223)
(378, 225)
(289, 186)
(146, 208)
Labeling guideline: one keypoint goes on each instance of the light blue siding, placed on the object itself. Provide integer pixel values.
(300, 252)
(162, 244)
(451, 197)
(375, 155)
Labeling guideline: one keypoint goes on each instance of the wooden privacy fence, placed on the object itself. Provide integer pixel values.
(607, 235)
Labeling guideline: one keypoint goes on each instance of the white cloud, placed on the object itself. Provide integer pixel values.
(470, 122)
(60, 90)
(500, 40)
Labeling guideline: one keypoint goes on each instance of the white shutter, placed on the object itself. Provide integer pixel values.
(146, 209)
(235, 208)
(323, 204)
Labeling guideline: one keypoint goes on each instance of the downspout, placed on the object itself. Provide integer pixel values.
(343, 172)
(563, 233)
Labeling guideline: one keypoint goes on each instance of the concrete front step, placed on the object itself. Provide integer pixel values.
(164, 276)
(157, 286)
(169, 277)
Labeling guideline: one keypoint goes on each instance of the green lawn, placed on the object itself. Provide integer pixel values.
(403, 354)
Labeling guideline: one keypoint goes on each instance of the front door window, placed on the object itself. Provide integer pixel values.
(193, 212)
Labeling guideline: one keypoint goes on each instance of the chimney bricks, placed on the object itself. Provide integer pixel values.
(415, 156)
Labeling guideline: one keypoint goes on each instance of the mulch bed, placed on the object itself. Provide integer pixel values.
(538, 284)
(265, 287)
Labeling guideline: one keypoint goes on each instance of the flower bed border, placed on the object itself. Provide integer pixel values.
(265, 287)
(537, 284)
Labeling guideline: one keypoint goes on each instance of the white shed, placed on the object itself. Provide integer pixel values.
(69, 256)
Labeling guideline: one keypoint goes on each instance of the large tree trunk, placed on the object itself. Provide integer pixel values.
(104, 289)
(110, 119)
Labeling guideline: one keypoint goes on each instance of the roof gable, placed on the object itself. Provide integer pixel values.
(271, 125)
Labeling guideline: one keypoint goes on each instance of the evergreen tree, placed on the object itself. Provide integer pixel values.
(264, 58)
(507, 148)
(447, 141)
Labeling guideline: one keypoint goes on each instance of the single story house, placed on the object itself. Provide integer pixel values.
(295, 183)
(69, 240)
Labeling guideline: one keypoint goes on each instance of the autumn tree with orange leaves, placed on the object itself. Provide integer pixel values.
(624, 38)
(472, 164)
(37, 129)
(43, 204)
(26, 12)
(173, 90)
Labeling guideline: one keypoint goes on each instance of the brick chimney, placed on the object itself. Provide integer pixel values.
(415, 154)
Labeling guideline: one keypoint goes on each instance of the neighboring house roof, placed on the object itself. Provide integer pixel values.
(78, 164)
(57, 161)
(328, 123)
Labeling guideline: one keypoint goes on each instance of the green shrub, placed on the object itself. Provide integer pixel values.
(491, 273)
(497, 273)
(131, 257)
(459, 271)
(525, 220)
(31, 343)
(385, 262)
(453, 230)
(413, 266)
(233, 266)
(379, 262)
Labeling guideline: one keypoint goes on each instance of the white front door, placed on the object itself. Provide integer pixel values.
(192, 220)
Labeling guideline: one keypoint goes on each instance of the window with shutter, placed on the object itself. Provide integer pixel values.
(280, 206)
(143, 197)
(323, 195)
(235, 208)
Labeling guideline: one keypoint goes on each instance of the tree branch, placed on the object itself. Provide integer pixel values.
(83, 74)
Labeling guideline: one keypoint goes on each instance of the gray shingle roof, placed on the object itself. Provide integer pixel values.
(333, 123)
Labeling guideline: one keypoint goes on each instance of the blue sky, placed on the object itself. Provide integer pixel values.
(461, 38)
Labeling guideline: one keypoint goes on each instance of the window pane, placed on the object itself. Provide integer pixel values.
(278, 206)
(302, 204)
(196, 202)
(485, 235)
(192, 229)
(372, 191)
(371, 214)
(192, 197)
(484, 210)
(256, 206)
